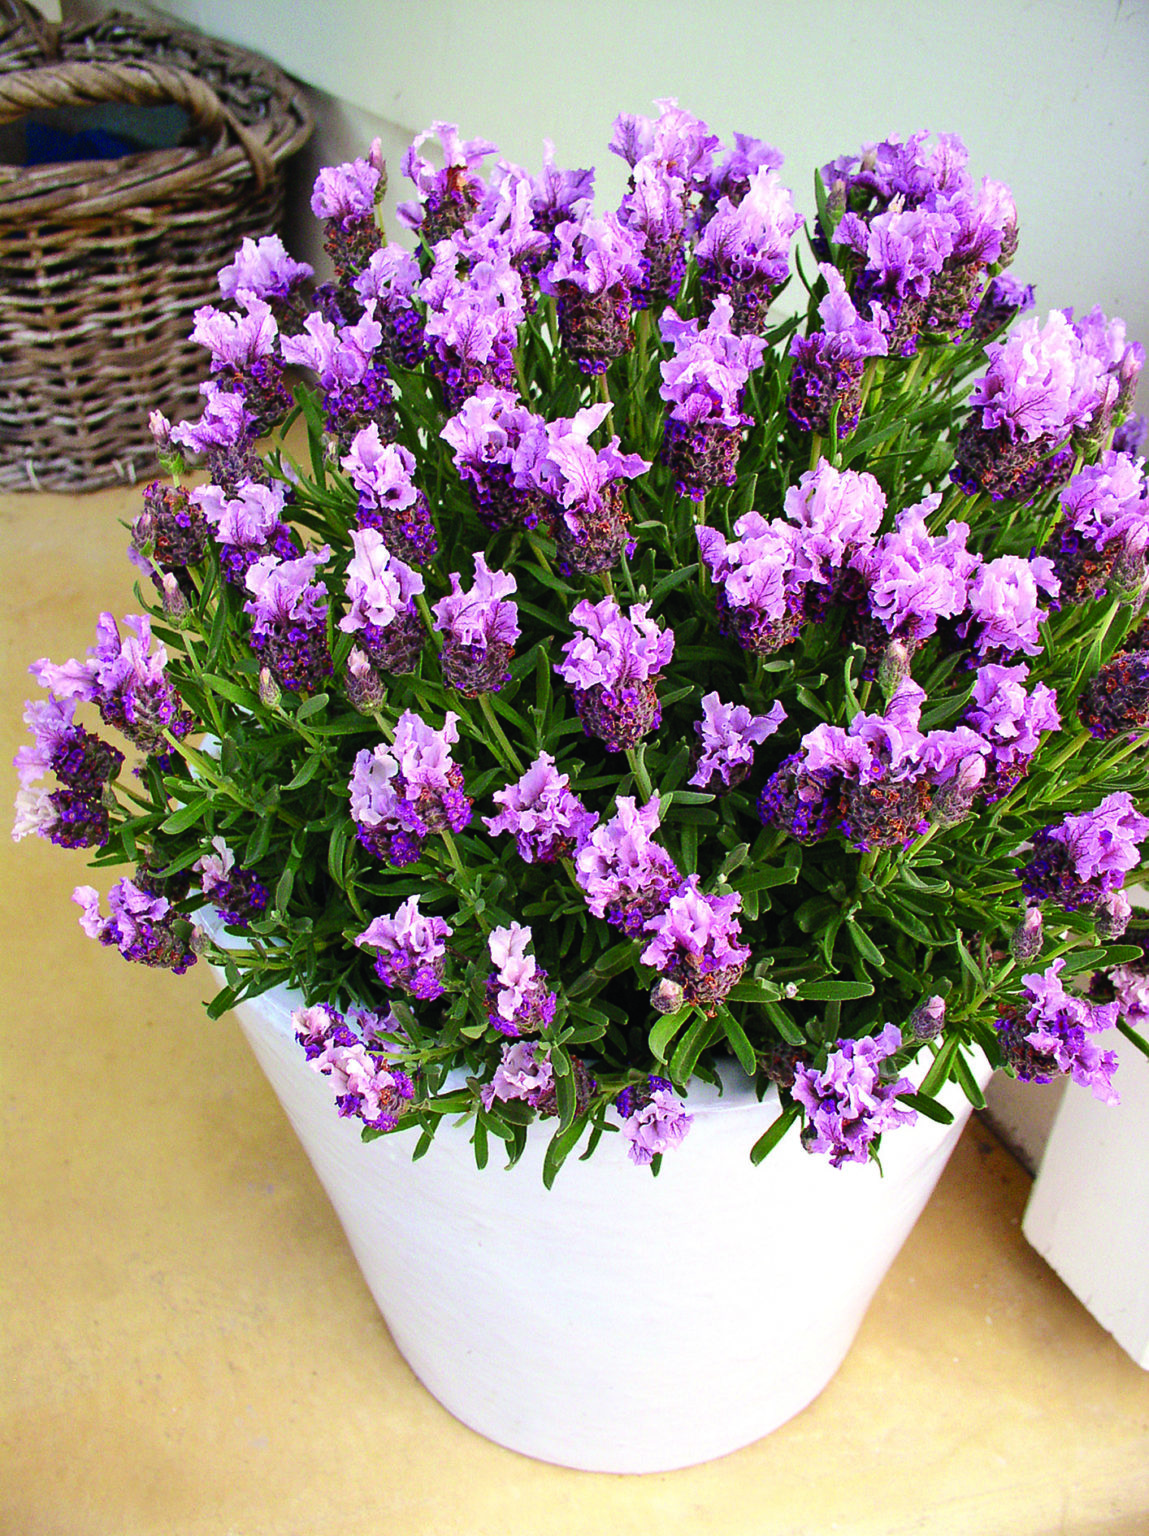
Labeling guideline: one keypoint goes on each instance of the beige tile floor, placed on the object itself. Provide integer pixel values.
(188, 1347)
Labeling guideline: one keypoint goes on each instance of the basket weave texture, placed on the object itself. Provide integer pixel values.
(102, 263)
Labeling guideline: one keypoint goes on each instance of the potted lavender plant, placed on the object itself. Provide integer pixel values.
(578, 699)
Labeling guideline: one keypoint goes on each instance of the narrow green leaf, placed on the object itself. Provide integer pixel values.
(312, 706)
(310, 766)
(963, 1076)
(771, 1137)
(187, 815)
(739, 1044)
(783, 1023)
(834, 991)
(664, 1031)
(762, 879)
(560, 1146)
(702, 1032)
(754, 989)
(928, 1107)
(940, 1071)
(867, 949)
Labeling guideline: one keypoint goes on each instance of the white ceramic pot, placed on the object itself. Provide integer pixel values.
(617, 1322)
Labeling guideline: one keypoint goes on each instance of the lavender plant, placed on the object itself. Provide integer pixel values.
(570, 668)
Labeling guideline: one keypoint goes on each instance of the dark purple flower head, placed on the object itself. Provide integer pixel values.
(1003, 300)
(626, 876)
(695, 942)
(402, 793)
(485, 435)
(1041, 383)
(410, 952)
(913, 578)
(558, 196)
(472, 322)
(1080, 860)
(681, 143)
(518, 1000)
(1116, 701)
(903, 249)
(262, 269)
(1057, 1028)
(1107, 501)
(760, 592)
(744, 250)
(141, 925)
(480, 628)
(380, 588)
(447, 196)
(286, 593)
(367, 1086)
(524, 1072)
(731, 177)
(1004, 603)
(236, 341)
(249, 518)
(548, 821)
(704, 380)
(236, 894)
(829, 364)
(614, 668)
(654, 1120)
(388, 499)
(847, 1103)
(837, 513)
(346, 192)
(1131, 435)
(727, 735)
(1010, 720)
(595, 255)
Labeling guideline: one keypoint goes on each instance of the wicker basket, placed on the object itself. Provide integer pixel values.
(103, 262)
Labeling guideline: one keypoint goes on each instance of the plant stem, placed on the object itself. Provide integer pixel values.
(464, 880)
(507, 755)
(815, 449)
(425, 613)
(637, 761)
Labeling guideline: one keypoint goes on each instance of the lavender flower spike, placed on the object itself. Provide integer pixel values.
(388, 498)
(289, 629)
(654, 1119)
(695, 943)
(410, 950)
(727, 736)
(1078, 861)
(524, 1072)
(141, 925)
(236, 894)
(547, 820)
(518, 1002)
(847, 1104)
(382, 592)
(744, 250)
(403, 793)
(830, 363)
(1053, 1035)
(480, 628)
(627, 878)
(613, 669)
(367, 1086)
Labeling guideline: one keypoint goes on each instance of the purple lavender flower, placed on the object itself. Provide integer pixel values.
(838, 514)
(1078, 861)
(518, 1001)
(1052, 1035)
(345, 196)
(558, 196)
(1130, 436)
(654, 1120)
(695, 943)
(760, 595)
(289, 619)
(626, 876)
(744, 249)
(1116, 701)
(472, 322)
(169, 534)
(388, 500)
(524, 1072)
(1120, 363)
(654, 211)
(505, 226)
(902, 250)
(727, 735)
(680, 142)
(486, 435)
(1040, 387)
(236, 894)
(403, 793)
(704, 383)
(585, 503)
(1011, 721)
(141, 926)
(247, 525)
(1104, 531)
(599, 265)
(242, 351)
(367, 1086)
(225, 436)
(847, 1104)
(613, 670)
(731, 177)
(389, 281)
(804, 804)
(356, 387)
(910, 579)
(262, 269)
(1004, 605)
(125, 678)
(74, 814)
(381, 591)
(411, 954)
(447, 197)
(548, 822)
(479, 631)
(829, 364)
(1131, 986)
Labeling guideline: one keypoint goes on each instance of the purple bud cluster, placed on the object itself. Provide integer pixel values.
(383, 617)
(388, 498)
(237, 894)
(479, 630)
(849, 1102)
(142, 926)
(518, 1000)
(1053, 1035)
(404, 793)
(829, 364)
(410, 952)
(654, 1119)
(613, 669)
(73, 815)
(289, 619)
(1077, 862)
(367, 1085)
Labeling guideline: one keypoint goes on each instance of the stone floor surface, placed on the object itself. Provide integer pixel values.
(188, 1349)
